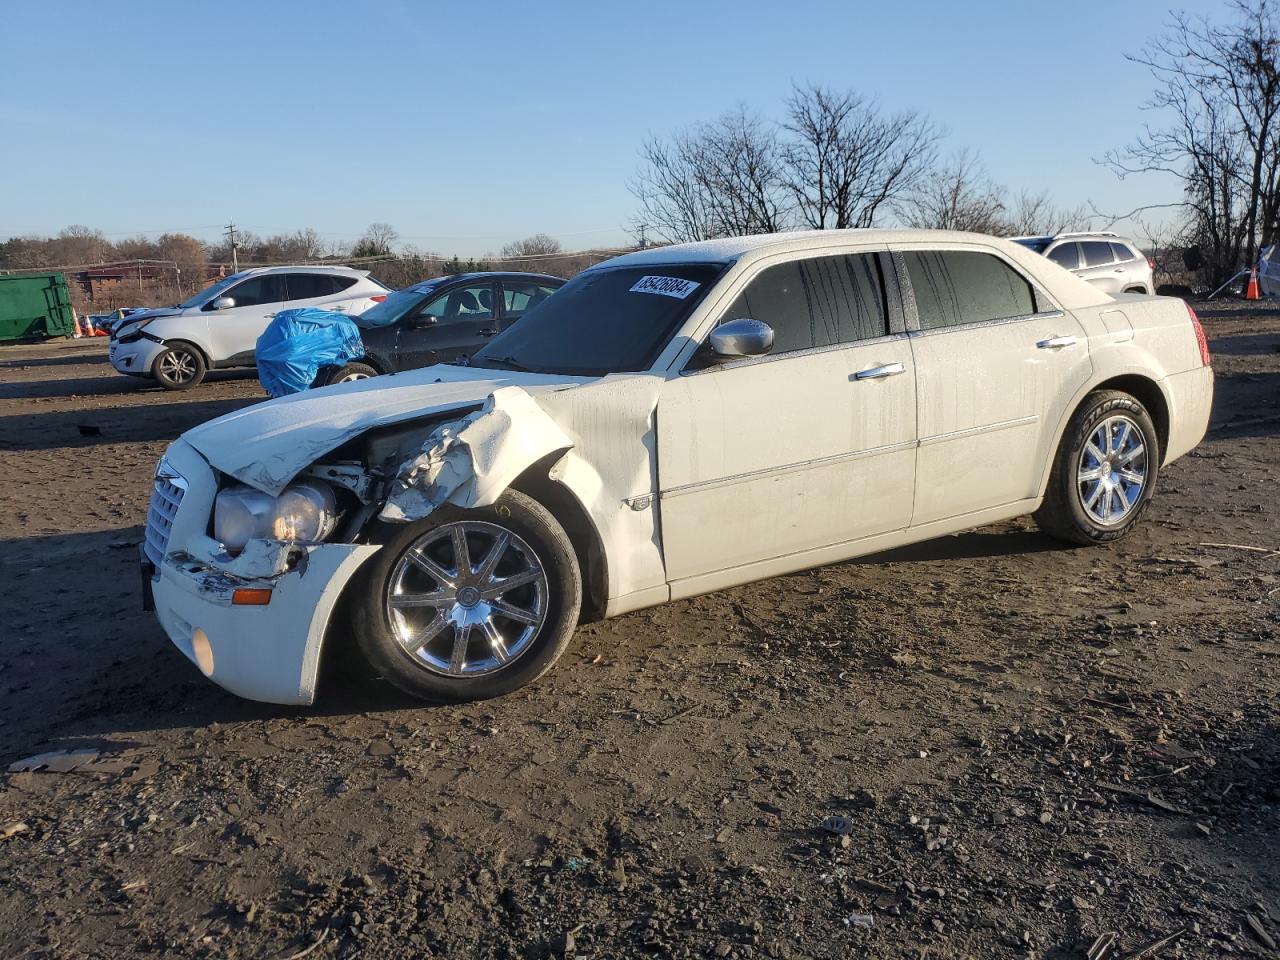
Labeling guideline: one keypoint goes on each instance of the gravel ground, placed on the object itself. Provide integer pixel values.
(982, 746)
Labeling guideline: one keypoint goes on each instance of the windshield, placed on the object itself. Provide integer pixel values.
(211, 293)
(603, 321)
(1037, 244)
(396, 305)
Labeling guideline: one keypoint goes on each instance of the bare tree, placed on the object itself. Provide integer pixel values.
(1220, 86)
(956, 196)
(538, 245)
(846, 162)
(378, 241)
(1034, 214)
(719, 179)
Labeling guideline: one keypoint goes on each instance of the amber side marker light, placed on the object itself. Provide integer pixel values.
(251, 597)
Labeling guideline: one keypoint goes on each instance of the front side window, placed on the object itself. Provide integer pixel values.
(1097, 253)
(955, 287)
(816, 302)
(605, 320)
(463, 304)
(268, 288)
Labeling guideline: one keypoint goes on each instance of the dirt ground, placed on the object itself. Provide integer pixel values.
(1022, 747)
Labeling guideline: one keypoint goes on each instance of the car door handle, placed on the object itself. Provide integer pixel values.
(488, 333)
(1053, 343)
(270, 315)
(880, 372)
(1120, 270)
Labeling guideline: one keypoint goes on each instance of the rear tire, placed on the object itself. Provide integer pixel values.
(447, 630)
(180, 367)
(345, 374)
(1104, 473)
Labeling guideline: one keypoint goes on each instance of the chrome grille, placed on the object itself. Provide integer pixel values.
(165, 500)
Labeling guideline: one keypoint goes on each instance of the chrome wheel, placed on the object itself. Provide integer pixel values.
(467, 599)
(1112, 472)
(352, 376)
(178, 366)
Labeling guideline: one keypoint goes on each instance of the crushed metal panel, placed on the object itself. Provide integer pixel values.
(469, 462)
(259, 560)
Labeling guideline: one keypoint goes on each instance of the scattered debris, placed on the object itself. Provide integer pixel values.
(12, 829)
(863, 920)
(1260, 931)
(58, 761)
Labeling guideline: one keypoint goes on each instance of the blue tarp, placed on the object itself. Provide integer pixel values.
(298, 343)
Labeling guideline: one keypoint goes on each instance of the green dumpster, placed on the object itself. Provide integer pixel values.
(35, 306)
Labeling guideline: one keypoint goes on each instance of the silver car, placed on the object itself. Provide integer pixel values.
(1109, 261)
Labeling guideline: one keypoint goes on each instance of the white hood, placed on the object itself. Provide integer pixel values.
(267, 444)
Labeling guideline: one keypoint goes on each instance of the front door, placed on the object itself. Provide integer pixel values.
(996, 366)
(454, 324)
(809, 446)
(234, 331)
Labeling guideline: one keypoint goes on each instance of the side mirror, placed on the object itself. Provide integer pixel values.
(741, 338)
(223, 303)
(423, 320)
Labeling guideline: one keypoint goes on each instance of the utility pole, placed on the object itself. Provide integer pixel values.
(644, 245)
(230, 234)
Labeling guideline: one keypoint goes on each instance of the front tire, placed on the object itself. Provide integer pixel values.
(1104, 474)
(470, 604)
(180, 367)
(347, 373)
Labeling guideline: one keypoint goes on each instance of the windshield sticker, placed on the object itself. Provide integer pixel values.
(665, 286)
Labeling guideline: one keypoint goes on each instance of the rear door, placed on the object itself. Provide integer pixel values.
(234, 332)
(806, 447)
(997, 363)
(322, 291)
(1100, 267)
(453, 324)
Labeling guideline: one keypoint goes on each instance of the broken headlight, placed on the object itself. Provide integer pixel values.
(305, 512)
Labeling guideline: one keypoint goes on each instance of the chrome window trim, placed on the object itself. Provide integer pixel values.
(984, 324)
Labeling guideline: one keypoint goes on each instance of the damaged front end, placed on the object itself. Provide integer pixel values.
(250, 576)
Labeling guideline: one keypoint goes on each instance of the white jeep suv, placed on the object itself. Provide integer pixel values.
(1109, 261)
(220, 325)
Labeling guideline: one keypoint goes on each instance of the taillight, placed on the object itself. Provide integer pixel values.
(379, 298)
(1201, 339)
(1151, 263)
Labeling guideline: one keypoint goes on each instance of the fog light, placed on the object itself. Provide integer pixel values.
(203, 651)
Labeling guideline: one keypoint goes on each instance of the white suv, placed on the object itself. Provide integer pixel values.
(1109, 261)
(220, 325)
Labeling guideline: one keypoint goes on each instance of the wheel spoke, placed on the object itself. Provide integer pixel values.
(497, 642)
(1098, 455)
(1093, 495)
(461, 555)
(433, 569)
(1091, 474)
(492, 558)
(1130, 476)
(437, 598)
(502, 609)
(424, 636)
(458, 657)
(499, 587)
(1131, 455)
(1123, 438)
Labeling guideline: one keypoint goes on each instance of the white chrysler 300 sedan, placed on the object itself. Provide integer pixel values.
(671, 422)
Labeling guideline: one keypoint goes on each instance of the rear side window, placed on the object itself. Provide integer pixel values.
(1097, 253)
(518, 297)
(816, 302)
(268, 288)
(1067, 255)
(955, 287)
(341, 283)
(1123, 253)
(306, 286)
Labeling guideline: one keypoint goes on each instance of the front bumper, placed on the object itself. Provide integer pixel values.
(269, 652)
(134, 358)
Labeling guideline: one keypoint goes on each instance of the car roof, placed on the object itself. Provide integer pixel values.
(499, 274)
(729, 249)
(307, 268)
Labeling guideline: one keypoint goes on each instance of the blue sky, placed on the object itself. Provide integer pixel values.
(466, 125)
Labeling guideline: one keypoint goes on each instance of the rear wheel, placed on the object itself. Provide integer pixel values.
(470, 604)
(1105, 471)
(347, 373)
(180, 367)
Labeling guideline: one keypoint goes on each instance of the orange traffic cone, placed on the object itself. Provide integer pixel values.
(75, 318)
(1251, 291)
